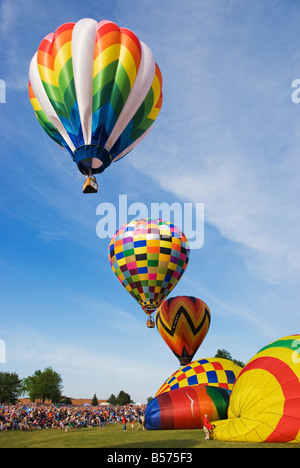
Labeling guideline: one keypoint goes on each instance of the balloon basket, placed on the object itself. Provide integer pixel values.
(90, 185)
(150, 323)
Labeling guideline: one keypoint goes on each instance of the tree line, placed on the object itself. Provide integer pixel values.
(122, 399)
(44, 386)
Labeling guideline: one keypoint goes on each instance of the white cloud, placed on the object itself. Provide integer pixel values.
(7, 13)
(251, 202)
(84, 366)
(227, 137)
(12, 63)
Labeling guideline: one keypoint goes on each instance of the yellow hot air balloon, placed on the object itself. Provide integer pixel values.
(265, 401)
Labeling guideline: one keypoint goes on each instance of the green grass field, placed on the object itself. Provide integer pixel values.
(114, 437)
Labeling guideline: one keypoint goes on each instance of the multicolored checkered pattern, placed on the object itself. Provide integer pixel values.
(213, 372)
(149, 257)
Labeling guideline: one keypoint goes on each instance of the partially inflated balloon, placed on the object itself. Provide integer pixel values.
(213, 372)
(96, 91)
(183, 323)
(185, 408)
(149, 257)
(265, 400)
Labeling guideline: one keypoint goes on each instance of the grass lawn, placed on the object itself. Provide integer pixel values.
(114, 437)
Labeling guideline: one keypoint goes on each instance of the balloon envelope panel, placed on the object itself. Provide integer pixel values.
(213, 372)
(265, 401)
(185, 408)
(183, 323)
(149, 257)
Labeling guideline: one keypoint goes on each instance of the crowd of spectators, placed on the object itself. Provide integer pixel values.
(33, 416)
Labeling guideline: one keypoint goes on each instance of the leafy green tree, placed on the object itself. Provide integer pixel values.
(223, 354)
(123, 398)
(112, 399)
(46, 385)
(10, 387)
(65, 400)
(94, 401)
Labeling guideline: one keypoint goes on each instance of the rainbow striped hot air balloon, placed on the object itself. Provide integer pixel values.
(183, 323)
(96, 91)
(265, 400)
(185, 408)
(149, 256)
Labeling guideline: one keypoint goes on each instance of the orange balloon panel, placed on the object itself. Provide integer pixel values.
(183, 323)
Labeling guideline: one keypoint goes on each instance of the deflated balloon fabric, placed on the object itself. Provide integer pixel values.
(265, 401)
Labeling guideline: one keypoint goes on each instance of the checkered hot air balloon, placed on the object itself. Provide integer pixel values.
(149, 256)
(213, 372)
(183, 323)
(96, 91)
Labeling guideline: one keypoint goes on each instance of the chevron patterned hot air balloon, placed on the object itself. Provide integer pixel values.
(183, 323)
(149, 256)
(96, 91)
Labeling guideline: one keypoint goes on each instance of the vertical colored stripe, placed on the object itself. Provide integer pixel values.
(166, 412)
(188, 413)
(289, 424)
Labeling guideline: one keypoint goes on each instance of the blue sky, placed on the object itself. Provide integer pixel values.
(227, 136)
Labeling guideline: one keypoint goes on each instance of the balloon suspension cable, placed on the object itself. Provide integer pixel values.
(56, 160)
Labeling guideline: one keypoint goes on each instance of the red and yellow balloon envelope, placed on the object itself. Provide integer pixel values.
(149, 257)
(183, 323)
(185, 408)
(96, 91)
(265, 401)
(213, 372)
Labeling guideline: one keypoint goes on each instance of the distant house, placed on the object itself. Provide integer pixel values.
(82, 401)
(75, 401)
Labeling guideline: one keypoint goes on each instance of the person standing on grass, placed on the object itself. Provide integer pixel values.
(143, 420)
(207, 427)
(139, 421)
(124, 423)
